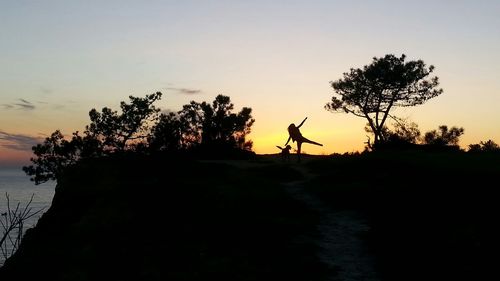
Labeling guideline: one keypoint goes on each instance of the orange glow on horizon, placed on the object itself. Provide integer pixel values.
(10, 157)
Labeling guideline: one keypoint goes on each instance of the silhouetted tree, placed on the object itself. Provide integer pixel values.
(191, 122)
(56, 153)
(388, 82)
(167, 133)
(443, 136)
(108, 132)
(209, 125)
(118, 130)
(12, 222)
(484, 146)
(404, 133)
(216, 124)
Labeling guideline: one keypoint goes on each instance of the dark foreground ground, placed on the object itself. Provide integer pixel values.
(431, 216)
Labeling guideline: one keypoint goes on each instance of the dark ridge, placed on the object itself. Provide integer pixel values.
(137, 217)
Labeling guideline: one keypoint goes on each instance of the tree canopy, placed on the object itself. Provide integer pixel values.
(204, 124)
(141, 128)
(484, 146)
(376, 89)
(221, 125)
(444, 136)
(117, 130)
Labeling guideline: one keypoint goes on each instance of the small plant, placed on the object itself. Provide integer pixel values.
(12, 222)
(484, 146)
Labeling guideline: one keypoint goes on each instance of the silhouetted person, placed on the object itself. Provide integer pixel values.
(285, 152)
(296, 136)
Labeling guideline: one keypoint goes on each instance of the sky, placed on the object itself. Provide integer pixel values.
(59, 59)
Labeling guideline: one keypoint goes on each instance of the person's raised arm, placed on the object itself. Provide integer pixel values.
(302, 122)
(288, 140)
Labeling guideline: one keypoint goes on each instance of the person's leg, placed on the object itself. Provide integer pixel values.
(299, 146)
(310, 141)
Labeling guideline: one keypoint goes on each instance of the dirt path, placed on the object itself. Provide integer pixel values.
(341, 247)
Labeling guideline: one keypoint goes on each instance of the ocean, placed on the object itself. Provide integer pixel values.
(15, 183)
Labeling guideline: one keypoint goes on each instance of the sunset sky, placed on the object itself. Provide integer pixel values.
(59, 59)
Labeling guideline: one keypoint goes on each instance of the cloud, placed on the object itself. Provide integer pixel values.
(26, 105)
(17, 141)
(46, 90)
(185, 91)
(22, 104)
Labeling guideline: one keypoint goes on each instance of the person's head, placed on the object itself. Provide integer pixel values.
(288, 147)
(291, 127)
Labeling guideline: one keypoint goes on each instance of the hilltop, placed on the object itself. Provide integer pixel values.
(133, 217)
